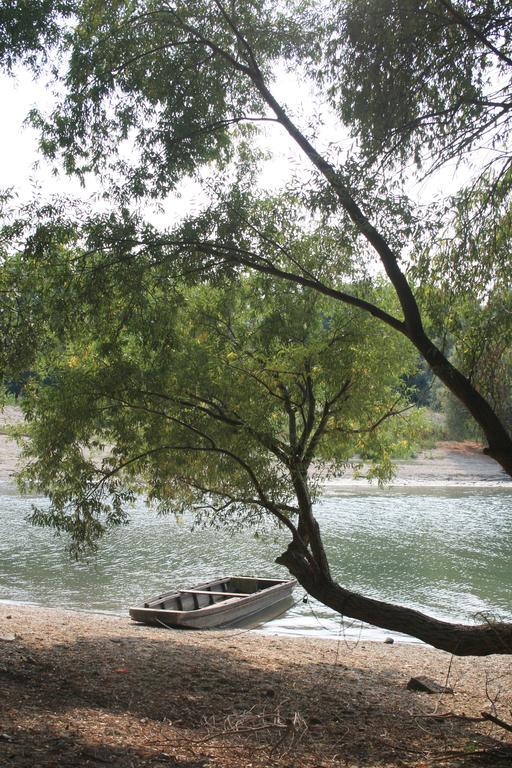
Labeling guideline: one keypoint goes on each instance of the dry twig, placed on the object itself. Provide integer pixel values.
(290, 730)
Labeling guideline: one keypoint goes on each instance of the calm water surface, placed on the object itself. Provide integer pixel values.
(447, 552)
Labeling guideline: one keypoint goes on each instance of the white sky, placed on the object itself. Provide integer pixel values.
(17, 143)
(20, 163)
(23, 169)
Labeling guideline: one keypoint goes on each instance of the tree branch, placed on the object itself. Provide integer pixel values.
(464, 22)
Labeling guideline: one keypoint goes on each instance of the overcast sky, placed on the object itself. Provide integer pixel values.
(18, 143)
(20, 162)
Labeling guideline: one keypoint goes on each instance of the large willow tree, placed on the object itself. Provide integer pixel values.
(232, 402)
(153, 93)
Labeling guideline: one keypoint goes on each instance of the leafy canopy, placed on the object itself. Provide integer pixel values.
(152, 92)
(431, 77)
(154, 89)
(28, 28)
(208, 399)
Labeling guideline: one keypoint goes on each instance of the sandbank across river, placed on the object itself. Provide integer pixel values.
(447, 464)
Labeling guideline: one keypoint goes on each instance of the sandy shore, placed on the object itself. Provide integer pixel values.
(448, 464)
(94, 690)
(9, 451)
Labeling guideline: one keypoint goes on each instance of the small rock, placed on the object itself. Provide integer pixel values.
(8, 638)
(426, 685)
(389, 641)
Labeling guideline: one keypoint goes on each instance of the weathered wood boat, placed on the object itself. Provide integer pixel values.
(231, 601)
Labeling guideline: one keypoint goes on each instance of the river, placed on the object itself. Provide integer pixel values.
(444, 551)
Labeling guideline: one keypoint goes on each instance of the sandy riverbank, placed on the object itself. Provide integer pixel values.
(90, 690)
(9, 451)
(447, 464)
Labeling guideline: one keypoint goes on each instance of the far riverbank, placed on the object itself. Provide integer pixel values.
(447, 464)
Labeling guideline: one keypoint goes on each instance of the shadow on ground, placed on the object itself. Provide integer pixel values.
(135, 700)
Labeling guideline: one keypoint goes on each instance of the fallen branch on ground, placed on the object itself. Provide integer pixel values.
(291, 730)
(497, 721)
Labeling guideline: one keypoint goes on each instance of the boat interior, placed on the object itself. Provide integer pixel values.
(232, 587)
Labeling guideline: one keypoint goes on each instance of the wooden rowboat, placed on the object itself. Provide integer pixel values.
(230, 601)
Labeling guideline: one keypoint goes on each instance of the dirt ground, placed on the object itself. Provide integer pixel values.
(81, 689)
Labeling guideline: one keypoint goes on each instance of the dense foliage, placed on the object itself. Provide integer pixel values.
(199, 396)
(28, 28)
(428, 78)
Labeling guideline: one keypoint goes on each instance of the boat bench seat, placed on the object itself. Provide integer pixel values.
(208, 592)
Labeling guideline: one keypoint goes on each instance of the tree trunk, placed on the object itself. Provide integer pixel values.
(459, 639)
(500, 442)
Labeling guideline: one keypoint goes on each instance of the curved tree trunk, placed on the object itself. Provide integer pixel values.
(459, 639)
(499, 441)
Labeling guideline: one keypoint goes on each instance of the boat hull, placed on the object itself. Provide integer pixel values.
(261, 600)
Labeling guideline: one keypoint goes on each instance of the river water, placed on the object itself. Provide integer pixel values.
(444, 551)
